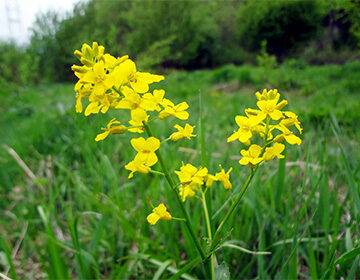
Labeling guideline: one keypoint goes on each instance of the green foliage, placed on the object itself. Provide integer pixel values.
(85, 219)
(282, 24)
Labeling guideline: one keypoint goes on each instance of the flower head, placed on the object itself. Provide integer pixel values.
(287, 135)
(247, 127)
(251, 156)
(177, 111)
(182, 132)
(274, 151)
(224, 178)
(113, 127)
(159, 213)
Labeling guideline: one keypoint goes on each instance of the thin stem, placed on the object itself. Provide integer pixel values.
(232, 208)
(208, 227)
(173, 187)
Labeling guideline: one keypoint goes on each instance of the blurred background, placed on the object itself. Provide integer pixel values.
(66, 207)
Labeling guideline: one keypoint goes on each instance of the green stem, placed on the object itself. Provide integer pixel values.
(232, 209)
(173, 187)
(208, 227)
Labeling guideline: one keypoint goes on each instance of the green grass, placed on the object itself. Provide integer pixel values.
(81, 217)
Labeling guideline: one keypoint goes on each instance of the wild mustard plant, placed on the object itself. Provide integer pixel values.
(107, 82)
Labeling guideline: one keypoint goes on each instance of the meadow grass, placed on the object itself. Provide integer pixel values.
(74, 213)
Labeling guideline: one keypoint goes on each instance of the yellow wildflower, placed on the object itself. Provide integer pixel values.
(271, 108)
(251, 156)
(139, 81)
(288, 135)
(99, 78)
(183, 132)
(156, 98)
(159, 213)
(190, 174)
(178, 111)
(146, 149)
(113, 127)
(132, 101)
(247, 125)
(291, 119)
(224, 178)
(139, 164)
(274, 151)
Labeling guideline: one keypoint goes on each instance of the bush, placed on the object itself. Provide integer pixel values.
(282, 24)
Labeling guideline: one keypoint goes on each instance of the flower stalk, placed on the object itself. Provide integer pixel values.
(181, 206)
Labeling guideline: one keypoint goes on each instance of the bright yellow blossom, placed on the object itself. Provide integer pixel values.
(139, 81)
(190, 174)
(271, 108)
(224, 178)
(99, 78)
(291, 119)
(146, 149)
(251, 156)
(141, 163)
(288, 135)
(247, 126)
(274, 151)
(113, 127)
(187, 190)
(183, 132)
(156, 98)
(159, 213)
(177, 111)
(132, 101)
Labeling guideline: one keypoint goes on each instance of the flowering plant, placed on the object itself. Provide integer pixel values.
(107, 82)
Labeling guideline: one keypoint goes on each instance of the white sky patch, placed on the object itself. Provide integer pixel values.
(17, 16)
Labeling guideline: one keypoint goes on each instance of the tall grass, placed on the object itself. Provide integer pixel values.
(299, 219)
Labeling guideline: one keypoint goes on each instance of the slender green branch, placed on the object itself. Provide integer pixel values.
(208, 226)
(232, 208)
(173, 187)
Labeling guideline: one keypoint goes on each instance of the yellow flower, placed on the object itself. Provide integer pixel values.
(99, 78)
(187, 190)
(190, 174)
(113, 127)
(291, 119)
(178, 111)
(132, 101)
(139, 81)
(101, 103)
(271, 108)
(183, 132)
(138, 116)
(141, 163)
(251, 156)
(156, 98)
(272, 94)
(274, 151)
(247, 125)
(146, 149)
(82, 90)
(209, 180)
(286, 134)
(159, 213)
(224, 178)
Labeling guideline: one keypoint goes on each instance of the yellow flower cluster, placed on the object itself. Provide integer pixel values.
(192, 179)
(108, 82)
(270, 124)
